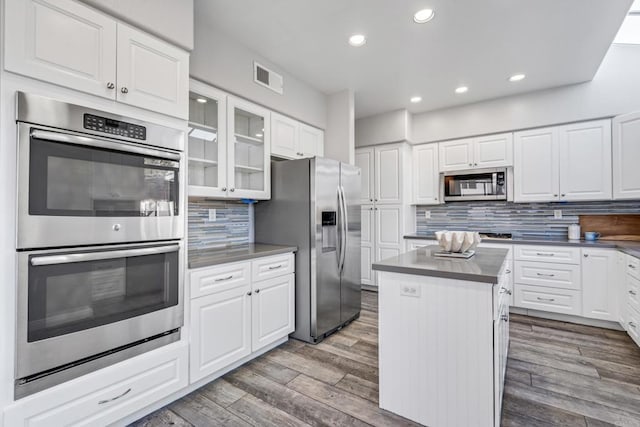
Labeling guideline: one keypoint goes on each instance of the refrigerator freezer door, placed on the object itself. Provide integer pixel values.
(350, 289)
(325, 278)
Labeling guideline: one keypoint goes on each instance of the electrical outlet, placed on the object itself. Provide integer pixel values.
(410, 291)
(212, 215)
(427, 214)
(557, 214)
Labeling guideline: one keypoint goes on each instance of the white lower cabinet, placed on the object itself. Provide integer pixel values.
(106, 396)
(599, 292)
(239, 316)
(381, 233)
(555, 300)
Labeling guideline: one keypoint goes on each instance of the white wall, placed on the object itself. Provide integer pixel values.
(171, 20)
(614, 90)
(223, 62)
(339, 137)
(393, 126)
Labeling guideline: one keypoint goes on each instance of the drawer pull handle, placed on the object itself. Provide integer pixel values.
(275, 267)
(505, 291)
(545, 275)
(102, 402)
(632, 266)
(633, 293)
(545, 254)
(633, 325)
(546, 299)
(222, 279)
(505, 317)
(508, 271)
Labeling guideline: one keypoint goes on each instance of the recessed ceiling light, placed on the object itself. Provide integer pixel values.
(516, 77)
(357, 40)
(415, 99)
(201, 100)
(462, 89)
(422, 16)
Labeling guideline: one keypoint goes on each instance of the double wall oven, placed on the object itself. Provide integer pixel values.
(99, 242)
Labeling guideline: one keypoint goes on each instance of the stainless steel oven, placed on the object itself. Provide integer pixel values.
(82, 309)
(89, 177)
(479, 184)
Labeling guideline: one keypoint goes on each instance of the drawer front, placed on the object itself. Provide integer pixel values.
(633, 291)
(221, 278)
(633, 266)
(107, 395)
(548, 299)
(562, 276)
(633, 324)
(555, 254)
(273, 266)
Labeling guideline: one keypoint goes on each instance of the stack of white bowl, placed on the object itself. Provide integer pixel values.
(458, 241)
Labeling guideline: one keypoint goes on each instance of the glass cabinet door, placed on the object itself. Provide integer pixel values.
(207, 141)
(249, 150)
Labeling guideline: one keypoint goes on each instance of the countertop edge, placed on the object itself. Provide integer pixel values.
(490, 280)
(192, 265)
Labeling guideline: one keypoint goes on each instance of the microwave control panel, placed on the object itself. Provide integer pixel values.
(114, 127)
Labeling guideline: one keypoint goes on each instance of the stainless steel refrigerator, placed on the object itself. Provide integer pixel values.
(315, 205)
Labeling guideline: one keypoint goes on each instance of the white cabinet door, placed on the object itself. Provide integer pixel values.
(388, 229)
(272, 308)
(367, 256)
(249, 149)
(152, 74)
(626, 152)
(536, 165)
(599, 290)
(220, 330)
(388, 176)
(621, 281)
(365, 161)
(585, 161)
(493, 151)
(426, 184)
(62, 42)
(456, 155)
(284, 136)
(311, 141)
(367, 244)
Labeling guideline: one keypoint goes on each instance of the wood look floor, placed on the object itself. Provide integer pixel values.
(558, 374)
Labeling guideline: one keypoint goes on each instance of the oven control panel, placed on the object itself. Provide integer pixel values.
(114, 127)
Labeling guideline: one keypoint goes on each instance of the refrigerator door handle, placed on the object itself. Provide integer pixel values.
(344, 228)
(339, 230)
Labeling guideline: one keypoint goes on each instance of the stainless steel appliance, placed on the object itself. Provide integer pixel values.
(479, 184)
(90, 177)
(315, 206)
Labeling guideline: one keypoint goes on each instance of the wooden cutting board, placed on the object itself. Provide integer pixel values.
(612, 227)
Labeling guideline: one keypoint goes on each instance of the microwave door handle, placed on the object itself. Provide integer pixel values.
(97, 256)
(494, 183)
(102, 143)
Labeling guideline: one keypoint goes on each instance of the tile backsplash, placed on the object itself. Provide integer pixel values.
(523, 220)
(231, 227)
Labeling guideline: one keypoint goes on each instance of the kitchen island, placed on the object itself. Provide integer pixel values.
(443, 332)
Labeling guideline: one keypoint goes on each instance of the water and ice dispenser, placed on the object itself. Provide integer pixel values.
(329, 231)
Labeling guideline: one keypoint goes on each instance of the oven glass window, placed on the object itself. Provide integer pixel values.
(75, 180)
(70, 297)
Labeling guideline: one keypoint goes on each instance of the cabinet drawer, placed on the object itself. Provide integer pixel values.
(562, 276)
(220, 278)
(107, 395)
(633, 266)
(633, 291)
(548, 299)
(273, 266)
(555, 254)
(633, 324)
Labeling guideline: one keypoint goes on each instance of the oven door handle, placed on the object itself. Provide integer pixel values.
(102, 143)
(97, 256)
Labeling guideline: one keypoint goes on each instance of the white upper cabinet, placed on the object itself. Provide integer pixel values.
(426, 182)
(585, 161)
(389, 174)
(475, 153)
(626, 152)
(599, 287)
(536, 165)
(62, 42)
(291, 139)
(152, 74)
(69, 44)
(493, 151)
(365, 161)
(456, 155)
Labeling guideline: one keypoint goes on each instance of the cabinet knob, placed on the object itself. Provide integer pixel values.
(224, 188)
(555, 195)
(633, 325)
(111, 85)
(505, 317)
(475, 164)
(371, 200)
(375, 200)
(633, 293)
(232, 189)
(249, 293)
(562, 195)
(435, 198)
(470, 164)
(124, 90)
(586, 255)
(257, 291)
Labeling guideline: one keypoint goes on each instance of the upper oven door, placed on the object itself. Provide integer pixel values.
(76, 189)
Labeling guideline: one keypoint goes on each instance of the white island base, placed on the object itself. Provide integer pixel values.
(443, 348)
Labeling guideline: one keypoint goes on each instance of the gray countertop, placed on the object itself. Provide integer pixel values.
(629, 247)
(483, 267)
(199, 258)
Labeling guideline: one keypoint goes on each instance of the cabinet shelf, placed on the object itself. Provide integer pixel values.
(248, 139)
(249, 169)
(203, 161)
(196, 125)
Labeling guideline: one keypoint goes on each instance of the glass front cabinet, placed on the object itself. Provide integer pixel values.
(229, 146)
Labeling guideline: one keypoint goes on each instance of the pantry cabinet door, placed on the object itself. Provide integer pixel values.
(367, 244)
(426, 184)
(365, 161)
(536, 165)
(389, 174)
(152, 74)
(63, 42)
(626, 152)
(585, 161)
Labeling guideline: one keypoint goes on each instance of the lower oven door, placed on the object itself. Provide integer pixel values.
(74, 305)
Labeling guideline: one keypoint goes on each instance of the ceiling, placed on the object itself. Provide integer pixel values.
(474, 43)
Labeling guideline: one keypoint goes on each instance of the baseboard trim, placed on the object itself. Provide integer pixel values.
(369, 288)
(567, 318)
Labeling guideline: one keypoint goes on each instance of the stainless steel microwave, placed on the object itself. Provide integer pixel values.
(475, 184)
